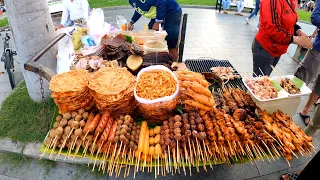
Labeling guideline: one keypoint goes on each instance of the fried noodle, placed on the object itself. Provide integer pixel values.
(156, 84)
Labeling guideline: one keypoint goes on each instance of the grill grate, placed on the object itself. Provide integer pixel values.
(204, 65)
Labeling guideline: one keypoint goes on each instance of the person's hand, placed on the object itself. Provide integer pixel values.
(303, 41)
(156, 26)
(58, 27)
(301, 33)
(130, 26)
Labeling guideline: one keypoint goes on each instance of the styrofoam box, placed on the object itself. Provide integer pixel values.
(286, 105)
(281, 94)
(304, 89)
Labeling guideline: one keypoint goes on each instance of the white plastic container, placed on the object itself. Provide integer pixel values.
(152, 46)
(304, 89)
(286, 105)
(281, 94)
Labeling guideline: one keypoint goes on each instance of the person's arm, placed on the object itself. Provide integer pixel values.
(315, 16)
(136, 16)
(85, 7)
(65, 14)
(270, 16)
(161, 10)
(315, 32)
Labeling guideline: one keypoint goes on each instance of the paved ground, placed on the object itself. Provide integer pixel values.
(209, 34)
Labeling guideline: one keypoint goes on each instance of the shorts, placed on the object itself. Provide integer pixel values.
(309, 67)
(172, 26)
(316, 87)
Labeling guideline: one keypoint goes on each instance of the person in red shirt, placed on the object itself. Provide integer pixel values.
(278, 29)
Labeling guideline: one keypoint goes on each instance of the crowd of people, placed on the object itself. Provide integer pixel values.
(278, 29)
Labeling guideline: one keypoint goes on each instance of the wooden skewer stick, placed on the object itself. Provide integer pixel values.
(145, 162)
(206, 154)
(158, 164)
(116, 158)
(183, 166)
(111, 160)
(268, 149)
(197, 157)
(288, 162)
(276, 151)
(47, 147)
(191, 154)
(166, 161)
(263, 152)
(294, 154)
(136, 168)
(170, 166)
(94, 143)
(187, 158)
(54, 147)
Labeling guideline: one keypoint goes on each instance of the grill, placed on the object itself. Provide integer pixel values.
(204, 65)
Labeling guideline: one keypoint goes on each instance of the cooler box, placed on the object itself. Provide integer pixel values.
(286, 105)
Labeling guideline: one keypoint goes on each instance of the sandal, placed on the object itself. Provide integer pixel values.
(291, 176)
(304, 117)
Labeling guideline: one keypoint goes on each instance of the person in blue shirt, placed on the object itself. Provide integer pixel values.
(309, 68)
(161, 12)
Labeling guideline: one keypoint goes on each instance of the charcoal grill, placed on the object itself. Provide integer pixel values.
(204, 65)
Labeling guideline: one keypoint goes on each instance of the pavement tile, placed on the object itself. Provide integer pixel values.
(3, 177)
(60, 171)
(276, 175)
(228, 51)
(32, 150)
(290, 68)
(5, 87)
(10, 146)
(27, 170)
(4, 78)
(220, 172)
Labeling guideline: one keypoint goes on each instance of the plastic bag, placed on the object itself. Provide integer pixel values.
(159, 109)
(96, 25)
(65, 51)
(76, 38)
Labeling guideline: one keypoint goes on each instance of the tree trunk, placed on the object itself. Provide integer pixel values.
(32, 29)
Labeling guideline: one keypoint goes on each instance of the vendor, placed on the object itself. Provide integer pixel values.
(73, 10)
(278, 29)
(166, 12)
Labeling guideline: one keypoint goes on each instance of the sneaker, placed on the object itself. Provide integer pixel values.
(247, 21)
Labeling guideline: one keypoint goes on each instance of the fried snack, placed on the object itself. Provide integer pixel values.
(112, 90)
(155, 84)
(194, 91)
(70, 91)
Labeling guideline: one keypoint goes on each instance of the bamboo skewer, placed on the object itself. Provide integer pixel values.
(268, 149)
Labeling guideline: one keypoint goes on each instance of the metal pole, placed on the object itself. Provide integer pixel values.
(182, 36)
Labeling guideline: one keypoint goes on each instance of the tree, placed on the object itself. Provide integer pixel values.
(32, 29)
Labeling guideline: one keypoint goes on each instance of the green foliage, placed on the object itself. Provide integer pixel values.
(304, 15)
(4, 22)
(21, 118)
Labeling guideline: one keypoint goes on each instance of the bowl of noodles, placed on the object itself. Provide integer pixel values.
(156, 92)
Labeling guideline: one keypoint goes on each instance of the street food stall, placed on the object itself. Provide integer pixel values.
(123, 108)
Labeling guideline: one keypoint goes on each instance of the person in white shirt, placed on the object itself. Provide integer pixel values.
(74, 10)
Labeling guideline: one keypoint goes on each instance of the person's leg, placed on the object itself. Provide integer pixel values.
(224, 4)
(309, 67)
(241, 6)
(262, 59)
(312, 99)
(172, 26)
(238, 6)
(314, 126)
